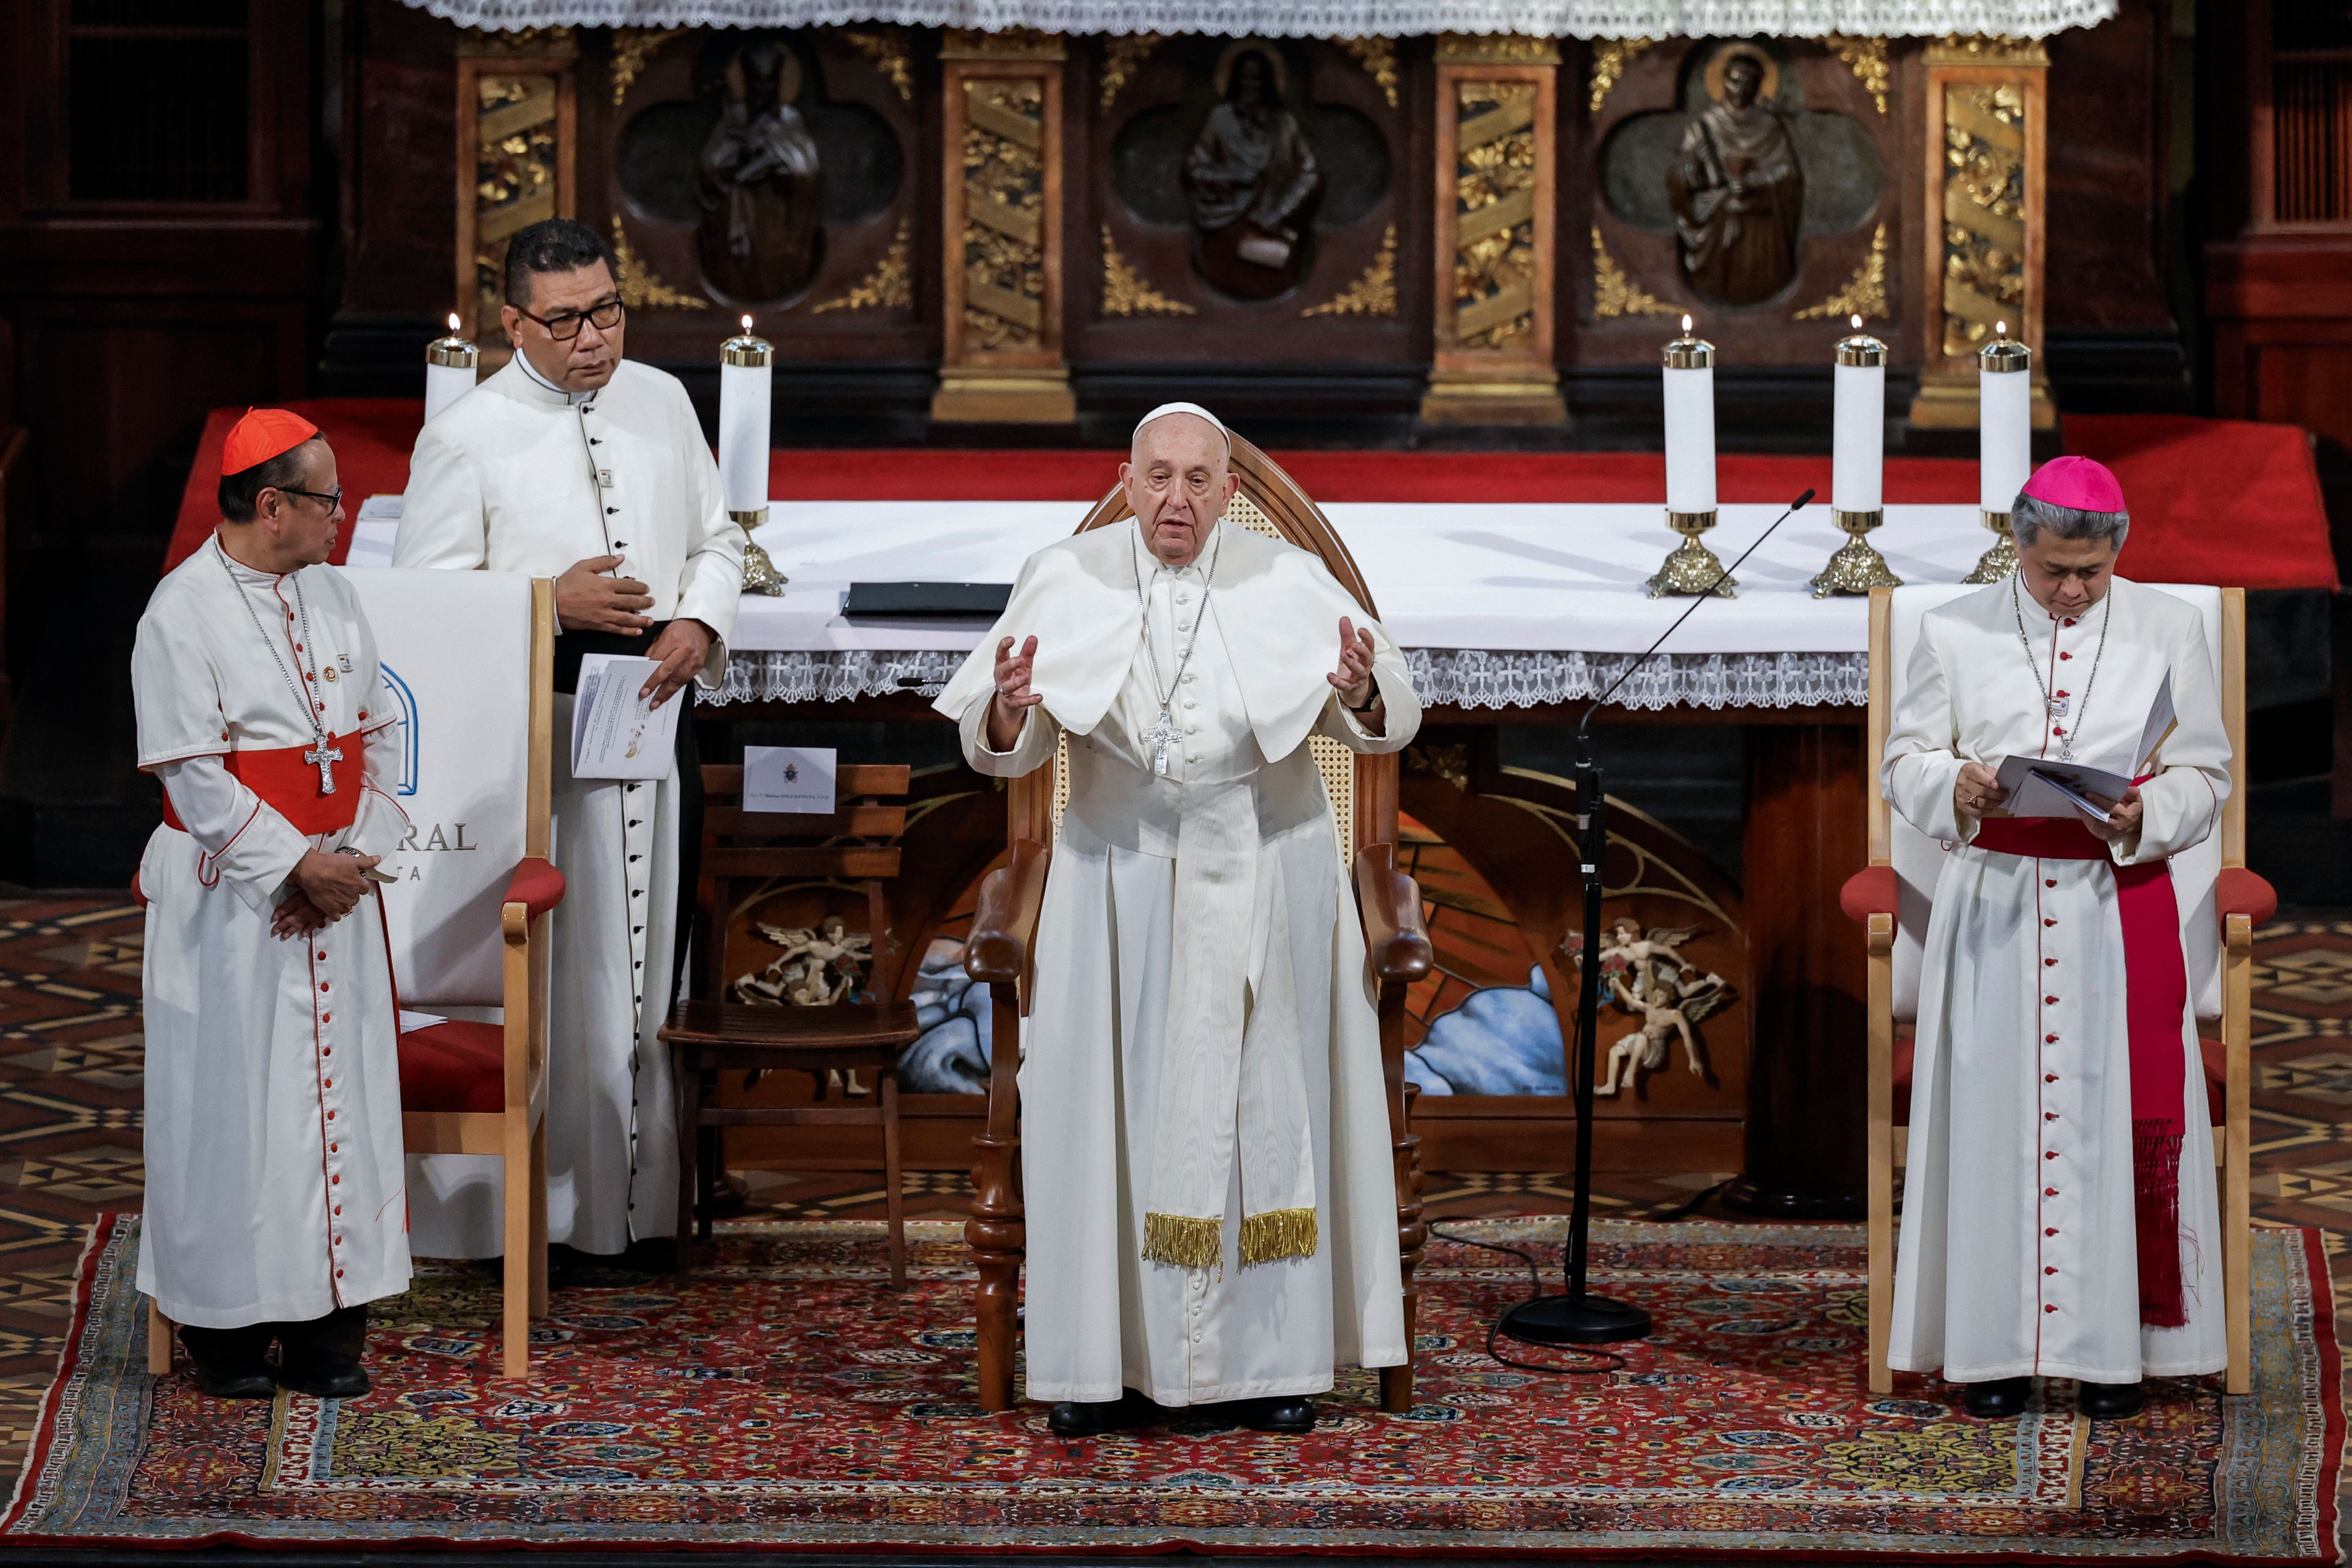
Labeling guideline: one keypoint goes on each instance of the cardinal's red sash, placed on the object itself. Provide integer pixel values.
(291, 786)
(2156, 998)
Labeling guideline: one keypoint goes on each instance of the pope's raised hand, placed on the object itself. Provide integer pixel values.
(1008, 709)
(1354, 676)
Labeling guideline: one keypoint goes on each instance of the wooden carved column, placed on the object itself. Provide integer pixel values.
(1988, 136)
(518, 144)
(1001, 357)
(1496, 182)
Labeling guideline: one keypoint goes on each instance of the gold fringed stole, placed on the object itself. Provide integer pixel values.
(1190, 1243)
(1278, 1233)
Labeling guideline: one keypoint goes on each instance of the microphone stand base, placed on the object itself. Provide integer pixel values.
(1576, 1320)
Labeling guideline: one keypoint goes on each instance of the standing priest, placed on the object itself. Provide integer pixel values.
(576, 464)
(1212, 1202)
(2061, 1219)
(274, 1205)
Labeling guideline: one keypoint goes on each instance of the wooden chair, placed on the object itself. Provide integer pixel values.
(469, 1087)
(1000, 949)
(2220, 903)
(770, 852)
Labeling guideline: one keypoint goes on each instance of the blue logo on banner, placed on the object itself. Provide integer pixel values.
(405, 728)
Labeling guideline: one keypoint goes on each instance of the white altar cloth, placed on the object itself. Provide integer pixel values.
(1497, 606)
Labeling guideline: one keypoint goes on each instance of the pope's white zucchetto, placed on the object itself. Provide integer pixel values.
(1195, 410)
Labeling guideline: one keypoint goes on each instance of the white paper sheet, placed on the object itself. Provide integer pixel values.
(617, 733)
(794, 779)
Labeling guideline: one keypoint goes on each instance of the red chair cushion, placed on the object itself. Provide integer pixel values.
(454, 1066)
(1869, 891)
(536, 885)
(2216, 1059)
(2242, 892)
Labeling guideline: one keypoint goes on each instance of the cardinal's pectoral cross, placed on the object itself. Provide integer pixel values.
(1160, 737)
(324, 756)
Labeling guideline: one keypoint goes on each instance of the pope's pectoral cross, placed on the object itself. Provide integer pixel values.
(1160, 737)
(324, 756)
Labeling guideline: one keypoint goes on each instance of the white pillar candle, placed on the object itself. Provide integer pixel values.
(1858, 426)
(1690, 423)
(450, 366)
(746, 374)
(2004, 421)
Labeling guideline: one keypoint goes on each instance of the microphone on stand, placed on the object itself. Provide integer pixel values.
(1578, 1317)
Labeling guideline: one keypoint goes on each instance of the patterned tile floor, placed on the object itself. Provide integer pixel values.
(70, 1086)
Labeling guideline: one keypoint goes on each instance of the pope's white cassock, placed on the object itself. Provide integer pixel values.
(273, 1074)
(2018, 1253)
(1202, 1066)
(520, 476)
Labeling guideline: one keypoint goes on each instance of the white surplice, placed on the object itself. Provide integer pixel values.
(273, 1141)
(519, 476)
(2018, 1253)
(1099, 1316)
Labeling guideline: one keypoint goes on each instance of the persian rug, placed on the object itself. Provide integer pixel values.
(788, 1398)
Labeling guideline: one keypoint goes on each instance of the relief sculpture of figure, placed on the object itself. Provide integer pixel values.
(1738, 191)
(761, 186)
(1252, 182)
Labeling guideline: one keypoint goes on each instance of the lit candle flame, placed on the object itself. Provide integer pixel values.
(2000, 329)
(1687, 326)
(1857, 323)
(453, 323)
(747, 324)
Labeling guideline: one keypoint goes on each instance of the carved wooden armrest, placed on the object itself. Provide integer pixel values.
(1005, 923)
(2240, 892)
(1394, 938)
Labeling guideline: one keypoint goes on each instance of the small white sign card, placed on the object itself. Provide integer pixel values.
(615, 732)
(797, 779)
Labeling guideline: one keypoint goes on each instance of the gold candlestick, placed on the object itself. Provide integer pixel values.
(2000, 561)
(1691, 568)
(1856, 568)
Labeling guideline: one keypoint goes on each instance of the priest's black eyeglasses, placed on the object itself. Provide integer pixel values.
(333, 498)
(565, 326)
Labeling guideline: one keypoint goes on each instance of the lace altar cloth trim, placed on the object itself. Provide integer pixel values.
(1320, 18)
(1459, 677)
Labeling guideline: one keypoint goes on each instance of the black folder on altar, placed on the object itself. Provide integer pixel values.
(926, 601)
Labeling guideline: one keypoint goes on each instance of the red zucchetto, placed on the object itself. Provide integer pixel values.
(261, 435)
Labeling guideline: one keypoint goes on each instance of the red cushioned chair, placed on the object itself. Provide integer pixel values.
(471, 1088)
(2221, 902)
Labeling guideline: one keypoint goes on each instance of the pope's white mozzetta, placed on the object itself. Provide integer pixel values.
(527, 478)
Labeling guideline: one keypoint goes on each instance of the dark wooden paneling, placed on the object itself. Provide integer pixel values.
(2106, 171)
(400, 222)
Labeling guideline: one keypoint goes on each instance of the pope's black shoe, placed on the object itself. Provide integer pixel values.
(2111, 1401)
(2000, 1399)
(229, 1363)
(1286, 1412)
(1093, 1417)
(322, 1357)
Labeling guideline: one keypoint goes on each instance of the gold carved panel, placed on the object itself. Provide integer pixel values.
(1495, 237)
(1002, 219)
(1004, 228)
(516, 151)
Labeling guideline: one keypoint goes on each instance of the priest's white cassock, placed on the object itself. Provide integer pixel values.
(520, 476)
(2018, 1255)
(1176, 903)
(274, 1175)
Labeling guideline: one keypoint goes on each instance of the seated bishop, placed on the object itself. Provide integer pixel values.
(1205, 1152)
(274, 1208)
(2060, 1218)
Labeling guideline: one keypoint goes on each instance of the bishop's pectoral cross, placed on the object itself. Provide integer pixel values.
(324, 756)
(1160, 737)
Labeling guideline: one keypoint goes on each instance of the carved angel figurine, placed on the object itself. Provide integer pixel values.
(1668, 1005)
(818, 968)
(1629, 954)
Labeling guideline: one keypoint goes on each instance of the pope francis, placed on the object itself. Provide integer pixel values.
(1212, 1207)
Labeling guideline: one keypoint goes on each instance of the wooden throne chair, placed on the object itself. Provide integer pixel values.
(2220, 903)
(1001, 948)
